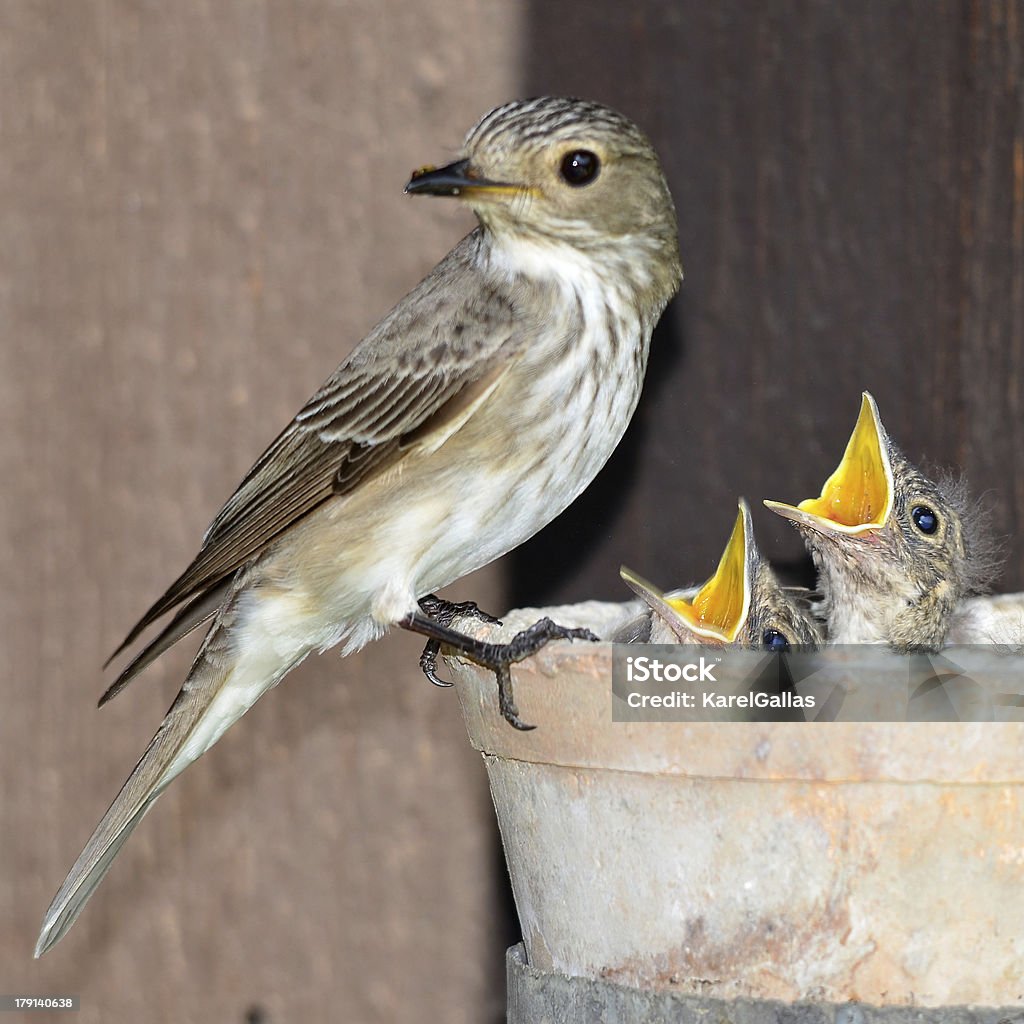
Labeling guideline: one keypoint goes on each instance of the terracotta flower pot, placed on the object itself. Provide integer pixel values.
(879, 862)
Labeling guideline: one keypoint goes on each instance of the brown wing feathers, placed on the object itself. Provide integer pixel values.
(352, 427)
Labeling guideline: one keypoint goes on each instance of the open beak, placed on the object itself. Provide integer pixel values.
(719, 609)
(655, 599)
(857, 498)
(454, 179)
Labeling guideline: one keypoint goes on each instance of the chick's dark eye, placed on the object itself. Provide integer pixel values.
(580, 167)
(924, 518)
(774, 641)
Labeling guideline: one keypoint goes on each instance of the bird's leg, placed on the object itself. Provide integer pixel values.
(445, 612)
(497, 657)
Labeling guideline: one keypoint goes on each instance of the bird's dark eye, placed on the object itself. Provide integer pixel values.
(775, 642)
(580, 167)
(924, 518)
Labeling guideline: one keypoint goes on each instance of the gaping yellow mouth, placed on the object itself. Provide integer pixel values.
(719, 609)
(858, 496)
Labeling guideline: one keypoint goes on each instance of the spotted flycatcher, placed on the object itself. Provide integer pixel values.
(467, 419)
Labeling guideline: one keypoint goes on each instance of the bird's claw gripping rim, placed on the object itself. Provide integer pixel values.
(497, 657)
(445, 612)
(526, 642)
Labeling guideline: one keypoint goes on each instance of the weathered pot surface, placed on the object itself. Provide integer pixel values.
(880, 862)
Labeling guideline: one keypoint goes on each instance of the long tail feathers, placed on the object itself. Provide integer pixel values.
(192, 725)
(91, 866)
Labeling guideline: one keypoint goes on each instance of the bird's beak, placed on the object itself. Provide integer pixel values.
(454, 179)
(719, 609)
(857, 498)
(658, 602)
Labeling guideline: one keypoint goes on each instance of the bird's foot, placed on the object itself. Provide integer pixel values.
(428, 663)
(525, 643)
(497, 657)
(445, 612)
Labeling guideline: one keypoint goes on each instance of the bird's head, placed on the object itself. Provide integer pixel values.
(551, 172)
(742, 604)
(884, 534)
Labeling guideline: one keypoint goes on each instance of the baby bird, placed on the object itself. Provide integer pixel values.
(896, 552)
(742, 604)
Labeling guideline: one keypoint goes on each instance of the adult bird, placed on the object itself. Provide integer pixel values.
(742, 604)
(467, 419)
(896, 552)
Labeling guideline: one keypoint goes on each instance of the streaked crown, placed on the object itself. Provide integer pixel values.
(572, 171)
